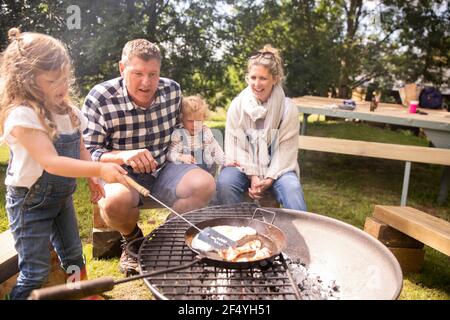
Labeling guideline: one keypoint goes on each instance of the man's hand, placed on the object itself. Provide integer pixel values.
(140, 160)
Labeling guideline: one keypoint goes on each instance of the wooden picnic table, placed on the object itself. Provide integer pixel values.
(435, 124)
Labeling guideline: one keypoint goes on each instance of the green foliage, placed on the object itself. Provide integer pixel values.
(328, 46)
(422, 48)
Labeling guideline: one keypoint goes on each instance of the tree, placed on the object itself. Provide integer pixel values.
(421, 49)
(39, 16)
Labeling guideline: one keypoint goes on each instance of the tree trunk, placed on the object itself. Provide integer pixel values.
(152, 12)
(131, 8)
(353, 16)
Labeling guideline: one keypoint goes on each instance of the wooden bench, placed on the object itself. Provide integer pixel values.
(405, 153)
(404, 230)
(9, 268)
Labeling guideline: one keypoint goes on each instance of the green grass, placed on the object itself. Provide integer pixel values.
(339, 186)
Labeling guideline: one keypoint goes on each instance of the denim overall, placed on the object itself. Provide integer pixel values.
(41, 216)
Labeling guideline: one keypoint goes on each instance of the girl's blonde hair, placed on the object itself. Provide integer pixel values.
(194, 105)
(270, 58)
(27, 56)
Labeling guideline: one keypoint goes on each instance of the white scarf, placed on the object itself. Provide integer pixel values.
(253, 110)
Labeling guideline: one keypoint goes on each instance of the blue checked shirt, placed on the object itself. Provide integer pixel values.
(116, 123)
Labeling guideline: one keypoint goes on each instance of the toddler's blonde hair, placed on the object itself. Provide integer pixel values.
(27, 56)
(194, 105)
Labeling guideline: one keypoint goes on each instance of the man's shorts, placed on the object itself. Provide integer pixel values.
(164, 185)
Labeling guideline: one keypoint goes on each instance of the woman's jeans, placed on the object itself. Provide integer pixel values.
(42, 216)
(232, 183)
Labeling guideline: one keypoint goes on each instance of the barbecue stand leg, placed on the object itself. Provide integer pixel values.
(291, 278)
(445, 182)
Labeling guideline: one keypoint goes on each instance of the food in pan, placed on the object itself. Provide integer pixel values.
(230, 254)
(249, 251)
(231, 232)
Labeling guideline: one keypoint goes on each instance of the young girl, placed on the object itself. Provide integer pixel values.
(194, 142)
(42, 130)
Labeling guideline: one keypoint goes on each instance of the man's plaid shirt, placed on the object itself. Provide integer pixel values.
(116, 123)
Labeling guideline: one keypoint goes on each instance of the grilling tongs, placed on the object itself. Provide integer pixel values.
(208, 235)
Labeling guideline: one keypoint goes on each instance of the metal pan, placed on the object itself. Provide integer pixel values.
(270, 236)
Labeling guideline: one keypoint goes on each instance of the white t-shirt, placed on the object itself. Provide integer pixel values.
(23, 170)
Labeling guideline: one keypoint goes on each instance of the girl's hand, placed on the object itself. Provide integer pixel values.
(96, 189)
(186, 158)
(112, 173)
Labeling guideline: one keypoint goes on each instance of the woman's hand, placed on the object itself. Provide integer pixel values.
(258, 187)
(96, 189)
(254, 192)
(264, 184)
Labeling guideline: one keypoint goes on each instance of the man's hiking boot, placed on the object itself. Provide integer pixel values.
(128, 263)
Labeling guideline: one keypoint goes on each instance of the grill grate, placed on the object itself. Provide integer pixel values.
(165, 247)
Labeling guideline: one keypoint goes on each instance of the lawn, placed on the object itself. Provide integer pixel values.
(342, 187)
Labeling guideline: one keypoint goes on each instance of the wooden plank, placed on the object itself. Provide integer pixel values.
(8, 256)
(389, 236)
(430, 230)
(106, 243)
(376, 150)
(410, 260)
(7, 285)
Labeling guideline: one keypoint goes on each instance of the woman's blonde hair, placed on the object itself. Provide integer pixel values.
(270, 58)
(27, 56)
(194, 105)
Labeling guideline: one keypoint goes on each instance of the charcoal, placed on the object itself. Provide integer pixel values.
(311, 286)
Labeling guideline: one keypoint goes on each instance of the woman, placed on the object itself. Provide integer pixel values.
(261, 135)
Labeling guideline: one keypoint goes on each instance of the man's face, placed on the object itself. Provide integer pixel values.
(141, 78)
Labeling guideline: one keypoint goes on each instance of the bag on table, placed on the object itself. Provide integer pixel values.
(430, 98)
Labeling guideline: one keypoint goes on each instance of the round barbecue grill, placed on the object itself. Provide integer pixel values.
(360, 265)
